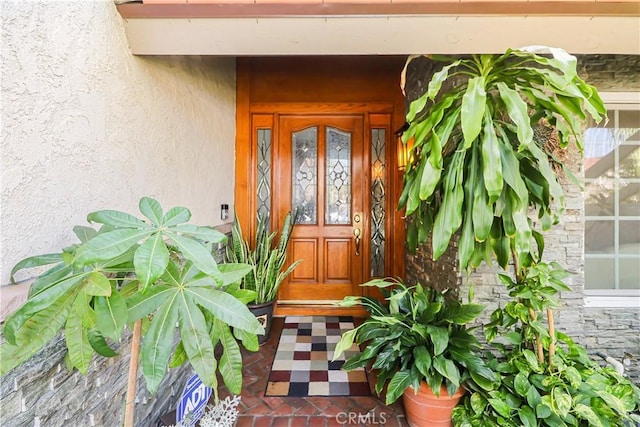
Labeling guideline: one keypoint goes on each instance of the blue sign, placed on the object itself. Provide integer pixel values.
(193, 401)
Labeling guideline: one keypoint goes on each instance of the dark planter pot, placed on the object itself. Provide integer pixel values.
(264, 314)
(425, 409)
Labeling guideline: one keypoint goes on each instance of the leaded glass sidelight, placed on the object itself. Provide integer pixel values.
(304, 173)
(338, 177)
(378, 190)
(263, 190)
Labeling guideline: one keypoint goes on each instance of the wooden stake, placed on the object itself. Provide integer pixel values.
(533, 316)
(129, 410)
(552, 333)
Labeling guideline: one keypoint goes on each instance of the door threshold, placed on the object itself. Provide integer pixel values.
(316, 309)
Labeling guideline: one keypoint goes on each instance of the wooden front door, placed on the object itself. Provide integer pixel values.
(321, 178)
(316, 133)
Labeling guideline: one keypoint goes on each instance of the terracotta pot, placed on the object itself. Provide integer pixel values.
(425, 409)
(264, 314)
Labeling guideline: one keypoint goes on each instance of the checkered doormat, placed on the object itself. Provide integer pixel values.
(302, 365)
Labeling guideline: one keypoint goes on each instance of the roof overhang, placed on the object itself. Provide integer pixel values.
(315, 28)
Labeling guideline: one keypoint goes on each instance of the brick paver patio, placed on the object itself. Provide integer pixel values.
(256, 410)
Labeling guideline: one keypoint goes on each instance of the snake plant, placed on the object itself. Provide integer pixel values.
(268, 260)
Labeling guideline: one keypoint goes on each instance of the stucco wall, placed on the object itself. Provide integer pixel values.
(614, 331)
(88, 126)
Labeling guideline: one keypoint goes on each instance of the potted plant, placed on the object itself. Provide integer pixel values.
(157, 270)
(268, 260)
(489, 136)
(420, 347)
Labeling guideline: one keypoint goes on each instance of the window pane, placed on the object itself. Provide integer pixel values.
(629, 161)
(599, 237)
(599, 273)
(378, 190)
(630, 273)
(264, 173)
(629, 199)
(599, 150)
(600, 198)
(338, 178)
(630, 237)
(305, 175)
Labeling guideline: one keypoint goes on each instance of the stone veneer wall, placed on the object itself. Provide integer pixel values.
(614, 331)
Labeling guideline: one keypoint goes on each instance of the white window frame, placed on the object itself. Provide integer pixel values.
(616, 298)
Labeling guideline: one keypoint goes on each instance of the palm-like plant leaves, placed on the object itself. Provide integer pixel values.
(128, 271)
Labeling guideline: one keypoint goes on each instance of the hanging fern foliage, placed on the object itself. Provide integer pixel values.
(478, 166)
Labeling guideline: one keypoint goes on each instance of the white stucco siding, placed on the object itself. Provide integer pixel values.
(85, 125)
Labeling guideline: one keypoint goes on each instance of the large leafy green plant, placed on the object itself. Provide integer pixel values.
(484, 166)
(418, 335)
(267, 258)
(545, 378)
(478, 164)
(158, 269)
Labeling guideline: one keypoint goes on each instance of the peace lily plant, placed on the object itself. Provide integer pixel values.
(153, 273)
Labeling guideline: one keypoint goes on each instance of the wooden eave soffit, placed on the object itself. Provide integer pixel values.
(377, 27)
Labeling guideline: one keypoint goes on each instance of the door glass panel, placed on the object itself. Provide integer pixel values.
(378, 190)
(305, 175)
(338, 177)
(264, 174)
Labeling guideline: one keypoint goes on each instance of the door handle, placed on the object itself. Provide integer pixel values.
(356, 233)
